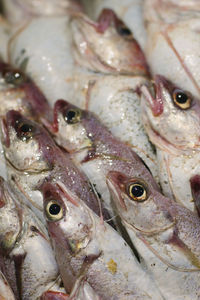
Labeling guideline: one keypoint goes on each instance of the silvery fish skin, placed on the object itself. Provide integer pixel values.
(94, 148)
(165, 234)
(5, 291)
(118, 107)
(171, 117)
(20, 11)
(32, 157)
(84, 248)
(25, 251)
(130, 11)
(57, 72)
(173, 38)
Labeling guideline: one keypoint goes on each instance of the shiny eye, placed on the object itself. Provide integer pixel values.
(54, 211)
(72, 115)
(25, 131)
(124, 31)
(181, 99)
(14, 77)
(137, 192)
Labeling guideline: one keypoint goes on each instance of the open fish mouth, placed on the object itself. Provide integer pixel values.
(153, 95)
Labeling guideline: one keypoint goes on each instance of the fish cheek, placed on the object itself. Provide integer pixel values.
(147, 218)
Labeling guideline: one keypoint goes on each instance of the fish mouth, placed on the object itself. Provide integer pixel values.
(153, 95)
(59, 108)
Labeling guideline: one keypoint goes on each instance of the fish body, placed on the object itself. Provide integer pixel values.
(33, 157)
(173, 38)
(94, 148)
(171, 117)
(89, 56)
(27, 258)
(165, 234)
(84, 249)
(5, 290)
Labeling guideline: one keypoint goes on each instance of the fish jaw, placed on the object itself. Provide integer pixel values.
(21, 138)
(106, 34)
(165, 124)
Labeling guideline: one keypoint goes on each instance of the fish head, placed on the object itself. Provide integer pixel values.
(10, 218)
(12, 91)
(107, 45)
(138, 203)
(171, 115)
(25, 143)
(69, 222)
(69, 126)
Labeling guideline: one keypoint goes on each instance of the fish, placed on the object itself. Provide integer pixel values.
(83, 246)
(25, 251)
(32, 157)
(173, 41)
(76, 57)
(18, 92)
(5, 291)
(165, 233)
(93, 147)
(85, 68)
(171, 117)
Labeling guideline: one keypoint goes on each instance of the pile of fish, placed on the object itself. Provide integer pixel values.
(100, 150)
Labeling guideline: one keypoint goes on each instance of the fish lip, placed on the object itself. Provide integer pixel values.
(153, 95)
(58, 106)
(112, 180)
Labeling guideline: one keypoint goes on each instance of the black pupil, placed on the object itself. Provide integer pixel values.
(69, 116)
(54, 209)
(137, 190)
(124, 31)
(26, 128)
(181, 97)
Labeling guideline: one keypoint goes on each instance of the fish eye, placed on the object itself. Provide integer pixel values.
(137, 192)
(72, 115)
(124, 31)
(182, 99)
(14, 77)
(54, 211)
(25, 131)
